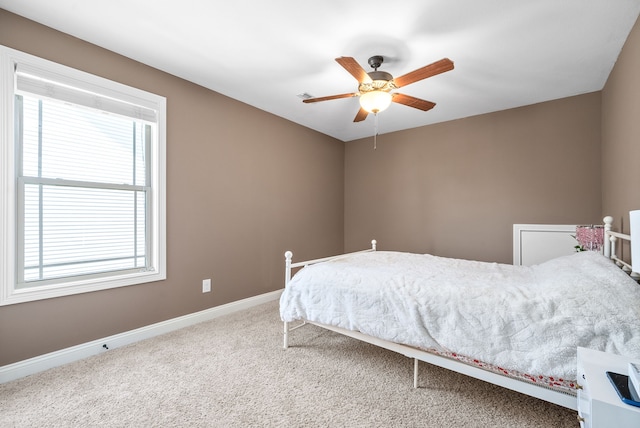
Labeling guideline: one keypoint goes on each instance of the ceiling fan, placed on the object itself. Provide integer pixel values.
(375, 87)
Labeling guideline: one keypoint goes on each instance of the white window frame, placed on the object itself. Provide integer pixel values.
(9, 292)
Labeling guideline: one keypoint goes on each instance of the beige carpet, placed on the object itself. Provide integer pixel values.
(233, 372)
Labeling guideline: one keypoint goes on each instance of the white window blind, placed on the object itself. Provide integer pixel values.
(89, 181)
(50, 84)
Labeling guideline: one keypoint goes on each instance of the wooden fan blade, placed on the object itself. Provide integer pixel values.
(422, 73)
(352, 66)
(362, 115)
(330, 97)
(413, 102)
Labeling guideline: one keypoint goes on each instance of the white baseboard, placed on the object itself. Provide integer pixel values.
(64, 356)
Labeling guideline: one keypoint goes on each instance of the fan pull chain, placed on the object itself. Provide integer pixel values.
(375, 133)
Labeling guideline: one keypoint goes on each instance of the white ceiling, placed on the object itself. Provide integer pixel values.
(265, 52)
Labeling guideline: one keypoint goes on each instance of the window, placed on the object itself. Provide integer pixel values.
(82, 206)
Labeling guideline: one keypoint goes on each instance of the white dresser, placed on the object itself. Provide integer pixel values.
(599, 406)
(537, 243)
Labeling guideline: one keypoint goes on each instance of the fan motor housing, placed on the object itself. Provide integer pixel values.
(380, 75)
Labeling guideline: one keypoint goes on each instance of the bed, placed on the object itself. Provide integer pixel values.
(514, 326)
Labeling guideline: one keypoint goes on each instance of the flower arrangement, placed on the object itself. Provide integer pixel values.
(590, 238)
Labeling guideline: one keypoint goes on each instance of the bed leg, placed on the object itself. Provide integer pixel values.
(415, 372)
(286, 335)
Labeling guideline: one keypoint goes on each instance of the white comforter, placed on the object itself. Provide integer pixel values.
(529, 319)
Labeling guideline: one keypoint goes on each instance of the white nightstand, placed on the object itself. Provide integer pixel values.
(598, 403)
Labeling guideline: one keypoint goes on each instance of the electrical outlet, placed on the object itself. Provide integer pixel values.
(206, 285)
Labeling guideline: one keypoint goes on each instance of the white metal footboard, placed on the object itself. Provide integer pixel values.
(288, 256)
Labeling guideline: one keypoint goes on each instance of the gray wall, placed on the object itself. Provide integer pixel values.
(243, 186)
(455, 189)
(621, 135)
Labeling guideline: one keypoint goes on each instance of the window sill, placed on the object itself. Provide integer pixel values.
(70, 288)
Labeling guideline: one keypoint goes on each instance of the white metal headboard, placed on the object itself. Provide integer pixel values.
(535, 243)
(610, 244)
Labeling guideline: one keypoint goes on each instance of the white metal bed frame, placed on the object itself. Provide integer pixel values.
(534, 390)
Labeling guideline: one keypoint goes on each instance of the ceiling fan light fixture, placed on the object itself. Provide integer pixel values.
(376, 89)
(375, 101)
